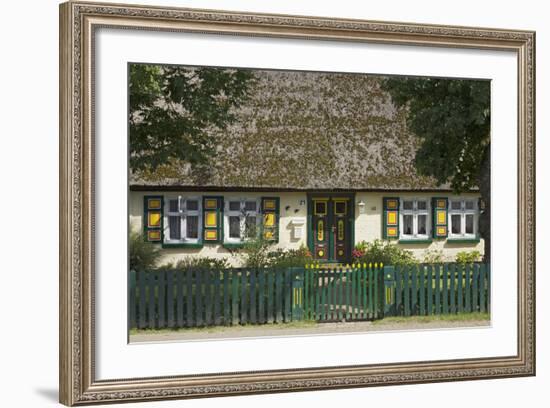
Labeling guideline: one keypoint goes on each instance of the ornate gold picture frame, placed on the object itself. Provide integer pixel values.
(78, 24)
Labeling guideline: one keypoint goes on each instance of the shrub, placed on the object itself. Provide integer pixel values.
(255, 252)
(290, 258)
(205, 262)
(433, 256)
(382, 252)
(143, 255)
(467, 257)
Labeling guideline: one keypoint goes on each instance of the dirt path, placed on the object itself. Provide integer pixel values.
(313, 329)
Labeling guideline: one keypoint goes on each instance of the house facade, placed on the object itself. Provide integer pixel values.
(216, 223)
(320, 160)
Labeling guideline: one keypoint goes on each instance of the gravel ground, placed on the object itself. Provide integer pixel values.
(284, 330)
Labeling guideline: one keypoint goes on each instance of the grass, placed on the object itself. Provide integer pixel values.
(459, 317)
(304, 324)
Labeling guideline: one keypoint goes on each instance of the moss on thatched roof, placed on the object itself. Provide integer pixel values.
(307, 131)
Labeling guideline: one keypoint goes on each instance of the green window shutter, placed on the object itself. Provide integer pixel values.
(440, 217)
(153, 218)
(270, 217)
(390, 224)
(212, 219)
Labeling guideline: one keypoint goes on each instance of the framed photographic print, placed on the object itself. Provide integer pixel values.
(258, 203)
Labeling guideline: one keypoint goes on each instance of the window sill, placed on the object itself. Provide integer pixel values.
(189, 245)
(463, 240)
(414, 241)
(233, 245)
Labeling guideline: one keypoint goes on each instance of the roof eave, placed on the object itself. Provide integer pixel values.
(143, 187)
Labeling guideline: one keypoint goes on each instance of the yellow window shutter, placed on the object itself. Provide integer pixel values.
(270, 217)
(390, 222)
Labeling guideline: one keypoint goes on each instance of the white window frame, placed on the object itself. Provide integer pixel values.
(242, 214)
(415, 212)
(463, 212)
(183, 213)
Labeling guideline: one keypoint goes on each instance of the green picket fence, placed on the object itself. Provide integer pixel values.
(343, 293)
(205, 297)
(437, 289)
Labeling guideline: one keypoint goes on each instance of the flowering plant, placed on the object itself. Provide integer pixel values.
(357, 254)
(384, 252)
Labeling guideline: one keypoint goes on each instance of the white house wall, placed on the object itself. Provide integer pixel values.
(368, 226)
(293, 205)
(294, 201)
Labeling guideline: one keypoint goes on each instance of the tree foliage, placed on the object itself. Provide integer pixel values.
(452, 119)
(172, 108)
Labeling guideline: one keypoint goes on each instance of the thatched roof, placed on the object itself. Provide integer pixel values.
(307, 131)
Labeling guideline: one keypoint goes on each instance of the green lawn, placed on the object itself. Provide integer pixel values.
(304, 324)
(459, 317)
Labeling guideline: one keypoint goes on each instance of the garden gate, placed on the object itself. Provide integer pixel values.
(341, 293)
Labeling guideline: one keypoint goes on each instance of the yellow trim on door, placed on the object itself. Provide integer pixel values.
(340, 230)
(325, 205)
(320, 230)
(336, 201)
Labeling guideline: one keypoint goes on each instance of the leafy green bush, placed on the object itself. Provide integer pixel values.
(258, 253)
(143, 255)
(203, 262)
(433, 256)
(467, 257)
(255, 252)
(382, 252)
(290, 257)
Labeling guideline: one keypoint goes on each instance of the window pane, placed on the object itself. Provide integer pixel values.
(455, 221)
(469, 205)
(234, 227)
(173, 206)
(250, 226)
(192, 205)
(407, 205)
(455, 205)
(192, 226)
(320, 207)
(422, 205)
(174, 223)
(422, 224)
(469, 223)
(340, 207)
(234, 206)
(407, 224)
(250, 206)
